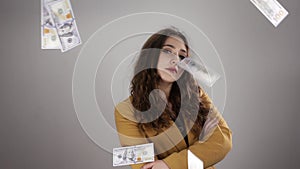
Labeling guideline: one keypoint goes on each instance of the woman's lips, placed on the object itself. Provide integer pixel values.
(172, 70)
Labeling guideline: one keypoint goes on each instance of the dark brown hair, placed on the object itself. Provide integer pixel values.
(184, 95)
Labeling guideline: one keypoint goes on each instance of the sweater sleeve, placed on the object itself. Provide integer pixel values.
(213, 150)
(215, 147)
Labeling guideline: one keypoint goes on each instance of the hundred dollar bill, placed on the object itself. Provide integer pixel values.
(144, 153)
(201, 73)
(49, 36)
(272, 10)
(65, 24)
(133, 154)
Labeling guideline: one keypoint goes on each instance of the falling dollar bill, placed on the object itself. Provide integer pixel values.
(59, 29)
(49, 36)
(272, 10)
(133, 154)
(65, 24)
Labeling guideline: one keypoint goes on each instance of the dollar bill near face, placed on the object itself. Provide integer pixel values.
(201, 73)
(272, 10)
(133, 154)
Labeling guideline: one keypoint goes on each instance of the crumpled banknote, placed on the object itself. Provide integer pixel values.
(58, 25)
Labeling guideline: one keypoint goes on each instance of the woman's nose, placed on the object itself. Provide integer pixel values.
(174, 61)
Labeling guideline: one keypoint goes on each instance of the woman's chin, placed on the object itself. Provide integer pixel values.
(169, 78)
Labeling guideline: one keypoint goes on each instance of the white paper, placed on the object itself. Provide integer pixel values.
(194, 162)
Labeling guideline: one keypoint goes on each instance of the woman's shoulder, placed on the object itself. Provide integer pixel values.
(124, 104)
(125, 108)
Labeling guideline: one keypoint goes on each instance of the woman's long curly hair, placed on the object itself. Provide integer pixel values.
(185, 95)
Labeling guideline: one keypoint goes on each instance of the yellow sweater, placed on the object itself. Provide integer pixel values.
(170, 144)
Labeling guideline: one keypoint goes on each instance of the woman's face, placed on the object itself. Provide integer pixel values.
(172, 52)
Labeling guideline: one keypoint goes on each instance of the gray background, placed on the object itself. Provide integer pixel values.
(38, 123)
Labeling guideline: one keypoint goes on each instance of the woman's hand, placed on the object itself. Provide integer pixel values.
(159, 164)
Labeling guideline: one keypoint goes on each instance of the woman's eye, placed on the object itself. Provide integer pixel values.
(167, 51)
(181, 57)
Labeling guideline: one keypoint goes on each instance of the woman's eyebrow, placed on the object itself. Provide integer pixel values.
(174, 47)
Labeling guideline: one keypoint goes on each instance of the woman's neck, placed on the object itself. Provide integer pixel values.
(165, 87)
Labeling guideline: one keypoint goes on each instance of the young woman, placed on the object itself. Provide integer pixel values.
(168, 108)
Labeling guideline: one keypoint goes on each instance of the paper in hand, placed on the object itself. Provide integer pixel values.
(272, 10)
(133, 154)
(194, 162)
